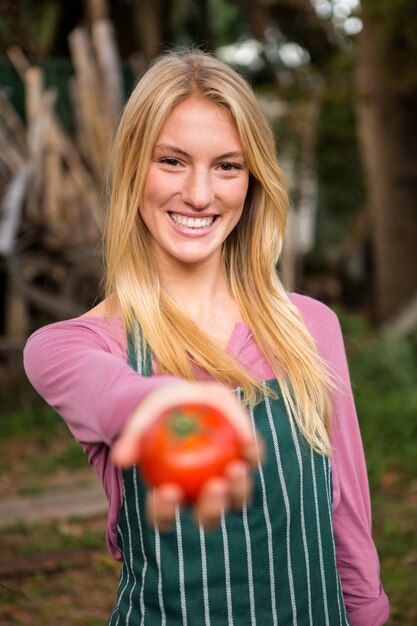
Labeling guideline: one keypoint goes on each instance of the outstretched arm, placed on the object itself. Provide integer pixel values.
(79, 367)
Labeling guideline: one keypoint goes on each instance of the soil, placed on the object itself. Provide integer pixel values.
(75, 586)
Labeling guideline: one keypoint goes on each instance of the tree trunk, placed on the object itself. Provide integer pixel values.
(148, 19)
(387, 124)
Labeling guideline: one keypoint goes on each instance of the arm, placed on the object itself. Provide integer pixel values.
(357, 559)
(79, 367)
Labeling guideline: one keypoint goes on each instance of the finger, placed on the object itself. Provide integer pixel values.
(161, 506)
(254, 451)
(126, 451)
(211, 503)
(239, 483)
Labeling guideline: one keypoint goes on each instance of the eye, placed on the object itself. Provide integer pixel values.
(171, 161)
(228, 166)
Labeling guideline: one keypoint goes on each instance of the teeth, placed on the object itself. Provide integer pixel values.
(192, 222)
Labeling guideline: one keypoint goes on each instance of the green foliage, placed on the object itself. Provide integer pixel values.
(34, 23)
(69, 456)
(384, 374)
(24, 414)
(395, 520)
(34, 436)
(45, 15)
(341, 185)
(227, 22)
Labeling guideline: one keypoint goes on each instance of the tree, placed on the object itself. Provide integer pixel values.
(386, 105)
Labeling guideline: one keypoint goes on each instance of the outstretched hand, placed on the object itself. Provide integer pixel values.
(219, 494)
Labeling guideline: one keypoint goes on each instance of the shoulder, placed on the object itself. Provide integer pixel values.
(85, 331)
(321, 322)
(313, 311)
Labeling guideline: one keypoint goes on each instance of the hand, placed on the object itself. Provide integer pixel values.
(218, 494)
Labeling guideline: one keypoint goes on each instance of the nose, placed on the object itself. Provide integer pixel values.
(197, 189)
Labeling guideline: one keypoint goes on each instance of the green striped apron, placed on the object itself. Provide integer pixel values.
(271, 564)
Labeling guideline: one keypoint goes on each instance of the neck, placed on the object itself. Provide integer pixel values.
(195, 289)
(202, 292)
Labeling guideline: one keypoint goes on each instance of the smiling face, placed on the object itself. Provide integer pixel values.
(196, 184)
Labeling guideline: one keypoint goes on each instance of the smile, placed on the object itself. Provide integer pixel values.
(192, 222)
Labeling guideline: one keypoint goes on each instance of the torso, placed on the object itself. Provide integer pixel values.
(217, 322)
(263, 563)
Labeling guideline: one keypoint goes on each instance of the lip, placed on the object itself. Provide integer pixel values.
(193, 215)
(193, 232)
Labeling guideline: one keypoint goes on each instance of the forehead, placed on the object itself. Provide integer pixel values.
(199, 115)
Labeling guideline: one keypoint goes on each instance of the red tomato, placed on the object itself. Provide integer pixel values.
(187, 445)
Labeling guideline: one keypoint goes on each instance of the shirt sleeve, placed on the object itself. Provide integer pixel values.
(357, 559)
(82, 373)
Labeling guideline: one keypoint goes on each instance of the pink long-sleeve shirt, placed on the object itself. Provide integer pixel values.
(80, 368)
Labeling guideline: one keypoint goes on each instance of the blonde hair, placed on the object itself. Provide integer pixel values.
(250, 253)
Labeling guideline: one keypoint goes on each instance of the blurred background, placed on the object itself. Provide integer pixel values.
(338, 81)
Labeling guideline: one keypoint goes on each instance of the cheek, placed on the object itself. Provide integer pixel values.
(158, 197)
(233, 193)
(150, 192)
(241, 193)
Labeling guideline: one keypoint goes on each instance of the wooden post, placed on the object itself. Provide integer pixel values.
(16, 321)
(109, 64)
(97, 10)
(53, 183)
(13, 122)
(96, 122)
(78, 172)
(12, 208)
(18, 60)
(33, 80)
(10, 153)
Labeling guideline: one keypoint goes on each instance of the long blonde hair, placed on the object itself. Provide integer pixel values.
(250, 253)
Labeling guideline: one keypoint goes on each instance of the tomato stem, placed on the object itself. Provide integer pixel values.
(182, 425)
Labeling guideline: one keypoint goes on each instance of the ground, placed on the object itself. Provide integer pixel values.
(72, 582)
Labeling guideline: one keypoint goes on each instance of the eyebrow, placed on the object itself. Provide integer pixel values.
(226, 155)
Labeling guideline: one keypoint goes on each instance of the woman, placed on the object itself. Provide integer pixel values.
(194, 310)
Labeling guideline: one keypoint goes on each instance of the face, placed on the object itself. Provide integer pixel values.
(196, 185)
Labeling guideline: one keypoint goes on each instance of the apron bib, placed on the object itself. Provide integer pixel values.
(271, 564)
